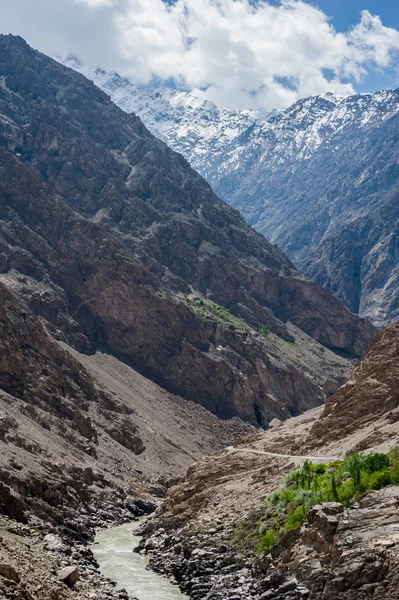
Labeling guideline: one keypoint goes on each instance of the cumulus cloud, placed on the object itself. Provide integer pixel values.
(238, 53)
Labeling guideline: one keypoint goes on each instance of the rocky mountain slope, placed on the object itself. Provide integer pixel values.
(340, 553)
(85, 441)
(124, 247)
(334, 213)
(198, 129)
(120, 270)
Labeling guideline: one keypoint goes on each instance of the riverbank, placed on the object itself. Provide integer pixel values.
(37, 555)
(113, 551)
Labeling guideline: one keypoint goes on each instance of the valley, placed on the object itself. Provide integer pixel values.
(158, 356)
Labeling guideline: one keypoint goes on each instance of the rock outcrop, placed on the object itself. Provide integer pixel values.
(371, 395)
(344, 554)
(119, 240)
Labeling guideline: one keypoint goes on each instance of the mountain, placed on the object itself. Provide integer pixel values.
(125, 247)
(196, 128)
(134, 303)
(207, 531)
(318, 178)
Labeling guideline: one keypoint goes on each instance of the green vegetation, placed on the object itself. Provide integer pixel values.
(204, 309)
(342, 481)
(246, 533)
(293, 344)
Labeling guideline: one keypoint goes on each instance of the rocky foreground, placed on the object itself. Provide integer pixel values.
(340, 552)
(43, 560)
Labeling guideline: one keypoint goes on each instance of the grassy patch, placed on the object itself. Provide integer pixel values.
(204, 309)
(341, 481)
(246, 533)
(264, 330)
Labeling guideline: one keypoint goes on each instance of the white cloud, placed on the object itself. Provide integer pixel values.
(237, 53)
(94, 3)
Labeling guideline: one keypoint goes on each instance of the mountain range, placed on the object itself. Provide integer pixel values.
(319, 179)
(144, 326)
(126, 247)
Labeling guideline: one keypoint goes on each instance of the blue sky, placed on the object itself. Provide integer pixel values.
(345, 14)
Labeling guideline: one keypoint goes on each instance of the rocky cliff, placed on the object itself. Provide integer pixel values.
(333, 213)
(125, 247)
(370, 399)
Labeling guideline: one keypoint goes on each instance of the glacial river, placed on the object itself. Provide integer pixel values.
(113, 551)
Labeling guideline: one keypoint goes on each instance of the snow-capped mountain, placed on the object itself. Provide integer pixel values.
(321, 180)
(318, 178)
(196, 128)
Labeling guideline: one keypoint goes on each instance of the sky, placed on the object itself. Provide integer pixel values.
(259, 54)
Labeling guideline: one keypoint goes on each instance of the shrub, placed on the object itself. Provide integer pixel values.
(295, 519)
(346, 492)
(264, 330)
(395, 471)
(375, 462)
(268, 540)
(394, 453)
(379, 479)
(320, 469)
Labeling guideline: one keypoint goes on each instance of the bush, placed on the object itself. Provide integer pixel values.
(346, 492)
(394, 454)
(395, 471)
(375, 462)
(379, 479)
(296, 519)
(268, 540)
(263, 330)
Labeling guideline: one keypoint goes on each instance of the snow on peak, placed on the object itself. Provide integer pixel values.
(217, 141)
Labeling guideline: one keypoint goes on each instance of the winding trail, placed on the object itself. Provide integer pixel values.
(231, 450)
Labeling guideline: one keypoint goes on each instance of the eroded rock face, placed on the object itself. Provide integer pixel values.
(371, 394)
(111, 229)
(36, 370)
(348, 553)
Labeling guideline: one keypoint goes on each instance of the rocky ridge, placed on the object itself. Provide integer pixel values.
(340, 553)
(334, 214)
(196, 128)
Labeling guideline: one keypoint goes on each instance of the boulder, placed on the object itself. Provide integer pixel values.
(69, 575)
(9, 572)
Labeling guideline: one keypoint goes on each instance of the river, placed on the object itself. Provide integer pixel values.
(113, 552)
